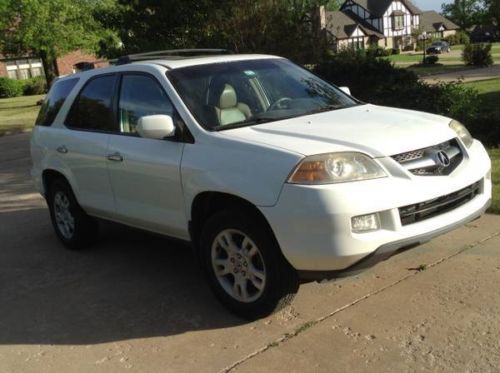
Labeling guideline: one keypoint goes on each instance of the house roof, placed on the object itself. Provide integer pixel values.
(432, 21)
(343, 24)
(377, 8)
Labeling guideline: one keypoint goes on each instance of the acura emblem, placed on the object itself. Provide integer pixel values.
(442, 159)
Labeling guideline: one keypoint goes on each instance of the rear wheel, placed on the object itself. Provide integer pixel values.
(73, 226)
(244, 265)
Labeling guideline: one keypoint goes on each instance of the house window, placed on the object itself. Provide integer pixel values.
(36, 71)
(24, 74)
(357, 43)
(398, 22)
(24, 69)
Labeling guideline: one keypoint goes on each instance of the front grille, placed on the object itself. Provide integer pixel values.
(409, 156)
(425, 210)
(426, 161)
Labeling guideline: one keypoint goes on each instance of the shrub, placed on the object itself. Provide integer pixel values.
(461, 37)
(10, 88)
(431, 60)
(377, 81)
(396, 51)
(363, 73)
(34, 86)
(375, 51)
(477, 55)
(486, 128)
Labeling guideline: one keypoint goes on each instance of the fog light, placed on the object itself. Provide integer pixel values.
(365, 223)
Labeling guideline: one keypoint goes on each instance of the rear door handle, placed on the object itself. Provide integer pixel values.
(62, 149)
(115, 157)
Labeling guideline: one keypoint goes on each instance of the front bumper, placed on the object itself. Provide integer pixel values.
(386, 251)
(313, 223)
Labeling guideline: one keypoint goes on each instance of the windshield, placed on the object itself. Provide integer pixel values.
(242, 93)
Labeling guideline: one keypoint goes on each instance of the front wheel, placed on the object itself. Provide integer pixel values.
(244, 265)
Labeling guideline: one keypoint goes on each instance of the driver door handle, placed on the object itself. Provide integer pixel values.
(62, 149)
(115, 157)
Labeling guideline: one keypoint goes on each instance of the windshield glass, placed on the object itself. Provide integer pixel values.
(241, 93)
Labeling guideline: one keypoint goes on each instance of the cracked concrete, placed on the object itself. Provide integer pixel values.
(137, 302)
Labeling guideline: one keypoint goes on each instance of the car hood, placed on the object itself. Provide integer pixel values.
(375, 130)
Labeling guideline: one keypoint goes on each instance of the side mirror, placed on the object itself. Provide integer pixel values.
(345, 90)
(155, 126)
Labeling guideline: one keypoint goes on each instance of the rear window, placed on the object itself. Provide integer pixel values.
(54, 101)
(92, 109)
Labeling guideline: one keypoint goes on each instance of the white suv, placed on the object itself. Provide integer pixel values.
(274, 175)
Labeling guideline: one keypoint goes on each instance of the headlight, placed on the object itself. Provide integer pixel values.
(336, 168)
(462, 132)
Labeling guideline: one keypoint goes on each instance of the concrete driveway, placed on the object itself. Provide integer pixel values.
(137, 302)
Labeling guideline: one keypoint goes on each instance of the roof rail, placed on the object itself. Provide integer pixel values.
(154, 55)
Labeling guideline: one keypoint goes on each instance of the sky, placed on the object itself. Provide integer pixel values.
(431, 4)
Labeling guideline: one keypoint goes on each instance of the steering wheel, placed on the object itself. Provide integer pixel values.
(279, 104)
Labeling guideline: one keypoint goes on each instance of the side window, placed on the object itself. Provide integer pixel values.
(140, 96)
(92, 109)
(54, 101)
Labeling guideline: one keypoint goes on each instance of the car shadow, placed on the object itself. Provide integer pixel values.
(131, 284)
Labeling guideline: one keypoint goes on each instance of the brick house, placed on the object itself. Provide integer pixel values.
(26, 67)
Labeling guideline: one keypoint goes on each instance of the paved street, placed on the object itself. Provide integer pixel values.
(137, 302)
(465, 76)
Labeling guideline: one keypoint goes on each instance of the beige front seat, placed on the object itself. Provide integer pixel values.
(229, 109)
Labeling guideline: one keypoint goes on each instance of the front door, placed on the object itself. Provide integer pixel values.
(145, 173)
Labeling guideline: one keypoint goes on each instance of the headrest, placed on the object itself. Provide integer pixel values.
(228, 98)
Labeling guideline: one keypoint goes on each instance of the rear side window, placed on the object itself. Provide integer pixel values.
(54, 101)
(92, 109)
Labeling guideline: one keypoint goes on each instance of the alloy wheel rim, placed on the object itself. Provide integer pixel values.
(65, 220)
(238, 265)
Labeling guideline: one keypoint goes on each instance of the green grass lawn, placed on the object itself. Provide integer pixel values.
(489, 93)
(19, 113)
(495, 174)
(447, 62)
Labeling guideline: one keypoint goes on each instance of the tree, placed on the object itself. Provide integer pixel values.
(333, 5)
(283, 27)
(492, 12)
(264, 26)
(146, 25)
(49, 29)
(465, 13)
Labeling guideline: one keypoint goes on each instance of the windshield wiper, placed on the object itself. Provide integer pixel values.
(249, 122)
(325, 109)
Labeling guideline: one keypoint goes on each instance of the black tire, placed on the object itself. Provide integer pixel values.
(281, 279)
(85, 229)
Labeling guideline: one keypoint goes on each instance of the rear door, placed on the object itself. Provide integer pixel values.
(83, 147)
(145, 173)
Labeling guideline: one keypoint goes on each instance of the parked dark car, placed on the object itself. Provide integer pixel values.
(438, 47)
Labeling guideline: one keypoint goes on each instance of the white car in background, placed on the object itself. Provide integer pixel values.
(274, 175)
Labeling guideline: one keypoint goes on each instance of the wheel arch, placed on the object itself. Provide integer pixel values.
(48, 177)
(206, 204)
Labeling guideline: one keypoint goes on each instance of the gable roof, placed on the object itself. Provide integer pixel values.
(432, 21)
(377, 8)
(343, 24)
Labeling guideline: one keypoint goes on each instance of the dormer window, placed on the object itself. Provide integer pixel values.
(398, 20)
